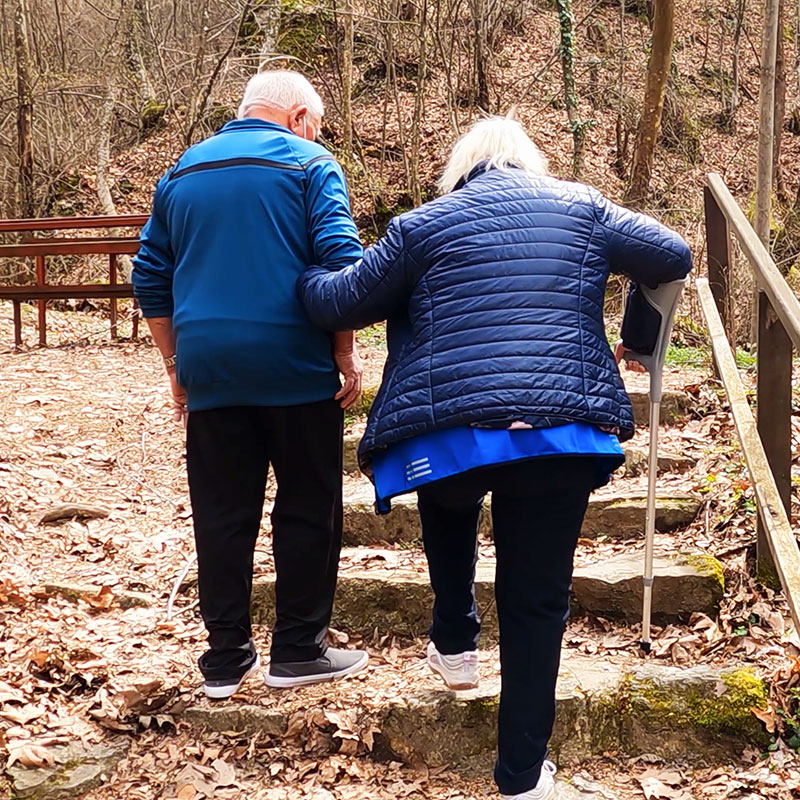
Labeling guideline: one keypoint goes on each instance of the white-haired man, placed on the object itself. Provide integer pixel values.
(233, 225)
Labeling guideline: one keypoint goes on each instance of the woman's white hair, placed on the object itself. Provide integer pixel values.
(498, 141)
(280, 89)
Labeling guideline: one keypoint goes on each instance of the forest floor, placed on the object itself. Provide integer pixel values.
(86, 421)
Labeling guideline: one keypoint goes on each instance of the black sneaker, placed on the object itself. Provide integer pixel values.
(225, 677)
(331, 665)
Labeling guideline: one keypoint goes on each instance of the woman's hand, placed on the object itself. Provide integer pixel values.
(619, 356)
(349, 364)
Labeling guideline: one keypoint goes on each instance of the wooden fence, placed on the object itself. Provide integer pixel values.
(767, 444)
(35, 246)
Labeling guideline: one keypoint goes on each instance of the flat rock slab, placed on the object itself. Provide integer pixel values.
(619, 517)
(683, 584)
(699, 714)
(400, 600)
(75, 592)
(72, 511)
(675, 406)
(78, 768)
(238, 718)
(637, 459)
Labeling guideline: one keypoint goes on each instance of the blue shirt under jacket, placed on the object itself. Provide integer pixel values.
(429, 457)
(233, 225)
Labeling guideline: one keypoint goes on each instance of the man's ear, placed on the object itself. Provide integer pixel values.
(296, 116)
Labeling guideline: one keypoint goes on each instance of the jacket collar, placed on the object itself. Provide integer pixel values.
(251, 124)
(479, 169)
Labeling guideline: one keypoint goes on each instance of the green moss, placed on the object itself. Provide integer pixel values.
(705, 565)
(151, 117)
(696, 706)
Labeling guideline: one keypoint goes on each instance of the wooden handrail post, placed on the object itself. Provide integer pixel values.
(718, 248)
(774, 416)
(112, 279)
(41, 280)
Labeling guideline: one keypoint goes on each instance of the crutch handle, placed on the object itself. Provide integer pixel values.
(664, 299)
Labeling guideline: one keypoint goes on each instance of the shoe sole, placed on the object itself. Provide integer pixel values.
(456, 687)
(224, 692)
(276, 682)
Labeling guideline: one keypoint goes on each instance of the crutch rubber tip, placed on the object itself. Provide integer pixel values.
(646, 647)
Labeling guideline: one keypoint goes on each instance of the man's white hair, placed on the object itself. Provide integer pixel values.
(280, 89)
(498, 141)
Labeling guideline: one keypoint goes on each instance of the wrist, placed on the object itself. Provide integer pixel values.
(170, 363)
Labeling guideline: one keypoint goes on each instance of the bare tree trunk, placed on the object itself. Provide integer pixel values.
(347, 78)
(26, 200)
(419, 104)
(480, 24)
(622, 128)
(766, 128)
(650, 123)
(566, 21)
(780, 107)
(103, 186)
(741, 8)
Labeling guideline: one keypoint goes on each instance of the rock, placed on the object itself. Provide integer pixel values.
(674, 406)
(78, 769)
(240, 718)
(683, 584)
(637, 458)
(72, 511)
(670, 712)
(75, 592)
(702, 715)
(697, 711)
(624, 517)
(350, 455)
(618, 516)
(400, 600)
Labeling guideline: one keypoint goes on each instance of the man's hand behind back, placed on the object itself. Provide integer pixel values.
(349, 364)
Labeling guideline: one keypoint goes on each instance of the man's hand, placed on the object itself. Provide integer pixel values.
(349, 364)
(179, 411)
(619, 355)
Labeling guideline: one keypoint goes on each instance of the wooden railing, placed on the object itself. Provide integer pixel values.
(39, 248)
(767, 444)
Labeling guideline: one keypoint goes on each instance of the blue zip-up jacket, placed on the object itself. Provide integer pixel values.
(233, 225)
(494, 296)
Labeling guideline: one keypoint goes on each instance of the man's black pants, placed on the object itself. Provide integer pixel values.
(228, 453)
(537, 512)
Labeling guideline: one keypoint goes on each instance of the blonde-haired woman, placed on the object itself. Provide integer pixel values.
(500, 379)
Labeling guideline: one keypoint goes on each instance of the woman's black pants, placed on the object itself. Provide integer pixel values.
(537, 512)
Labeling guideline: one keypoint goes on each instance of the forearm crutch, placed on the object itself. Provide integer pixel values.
(664, 299)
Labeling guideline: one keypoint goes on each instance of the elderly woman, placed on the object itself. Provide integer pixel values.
(500, 379)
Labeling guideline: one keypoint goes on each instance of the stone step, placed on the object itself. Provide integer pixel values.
(610, 515)
(637, 459)
(674, 408)
(400, 600)
(700, 714)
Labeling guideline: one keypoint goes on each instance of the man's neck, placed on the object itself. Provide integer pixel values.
(267, 115)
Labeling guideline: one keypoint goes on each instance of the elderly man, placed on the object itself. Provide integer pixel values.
(233, 225)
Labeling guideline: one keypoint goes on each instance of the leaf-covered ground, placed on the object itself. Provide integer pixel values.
(86, 422)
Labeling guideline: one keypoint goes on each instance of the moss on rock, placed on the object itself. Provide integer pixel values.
(705, 565)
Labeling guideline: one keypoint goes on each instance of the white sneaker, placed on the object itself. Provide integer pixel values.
(544, 790)
(459, 671)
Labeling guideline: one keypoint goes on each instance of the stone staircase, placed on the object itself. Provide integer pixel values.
(626, 706)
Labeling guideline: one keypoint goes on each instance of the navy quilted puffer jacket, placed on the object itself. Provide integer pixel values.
(494, 300)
